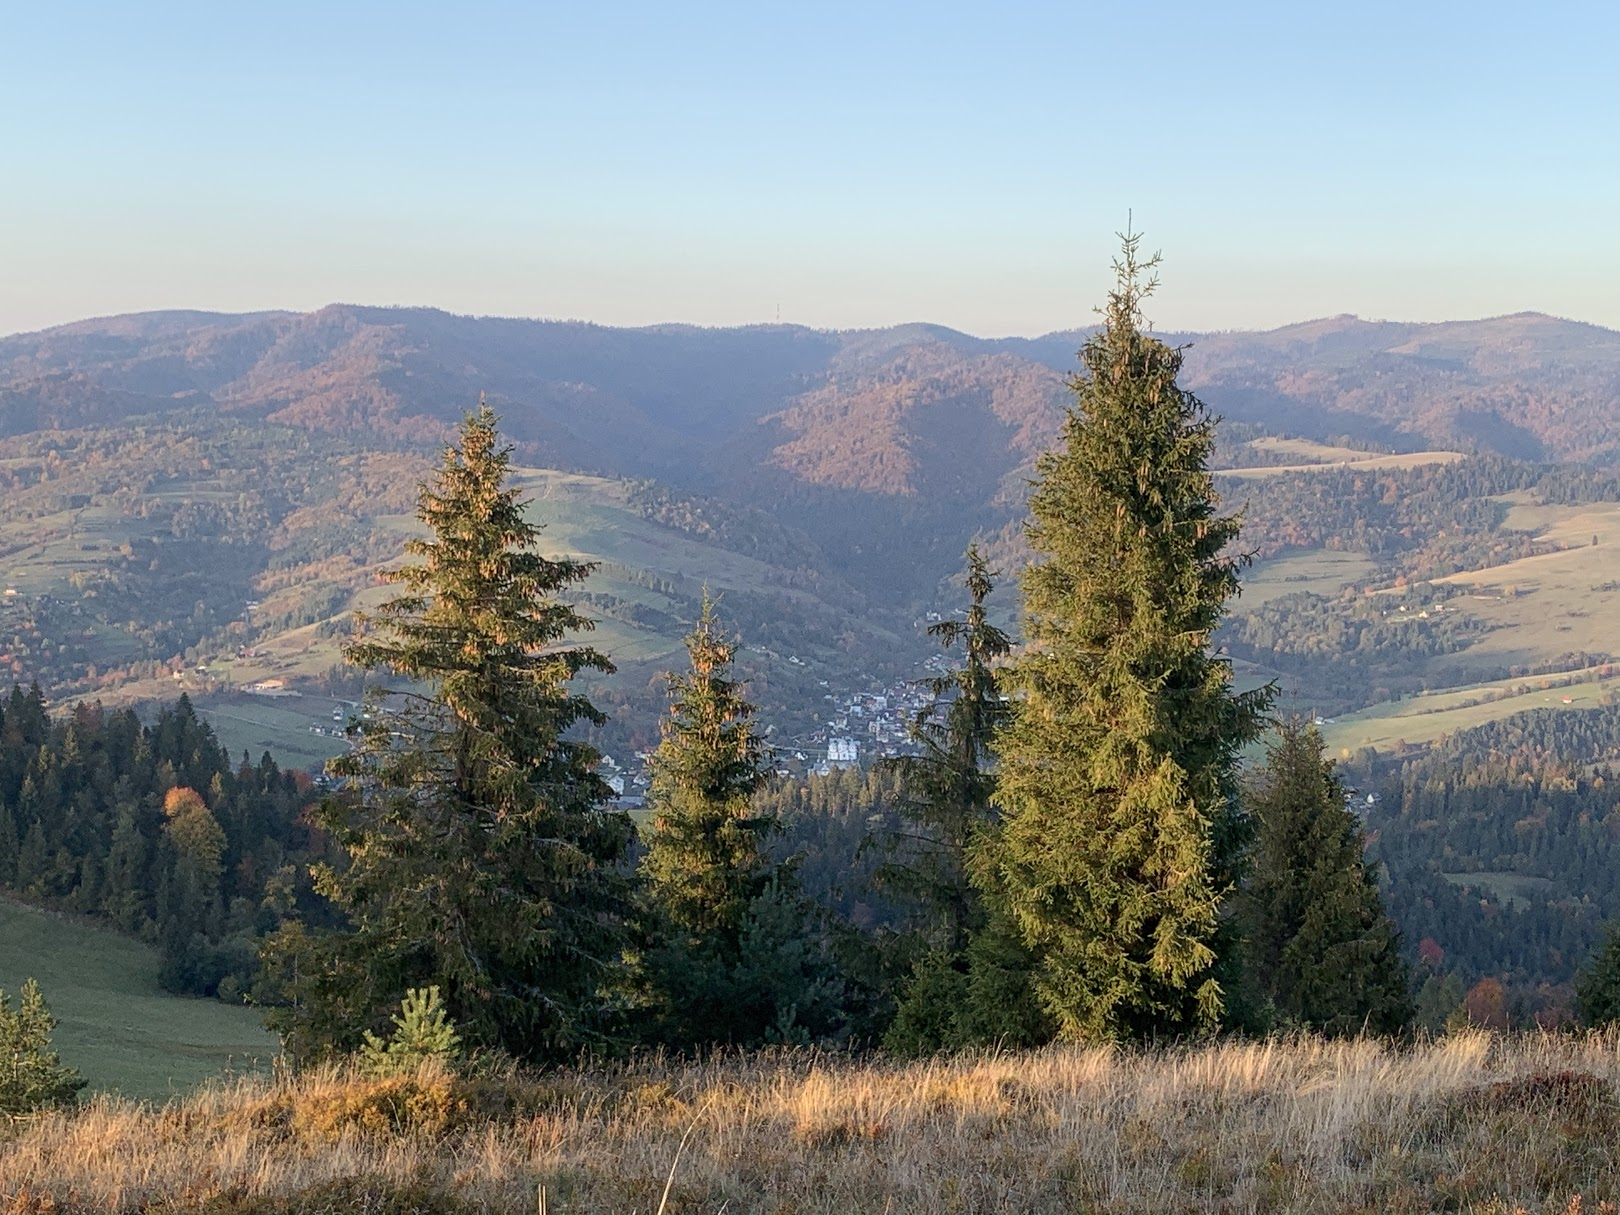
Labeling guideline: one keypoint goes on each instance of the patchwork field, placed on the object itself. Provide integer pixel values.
(1556, 603)
(1315, 457)
(117, 1026)
(1322, 572)
(1557, 612)
(1425, 718)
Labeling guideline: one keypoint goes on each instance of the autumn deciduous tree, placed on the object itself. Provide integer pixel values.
(1485, 1006)
(195, 832)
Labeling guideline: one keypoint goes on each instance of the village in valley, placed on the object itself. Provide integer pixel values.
(855, 728)
(858, 728)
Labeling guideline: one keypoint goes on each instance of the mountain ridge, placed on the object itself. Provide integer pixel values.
(770, 412)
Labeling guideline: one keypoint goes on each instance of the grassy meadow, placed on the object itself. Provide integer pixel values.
(118, 1028)
(280, 725)
(1557, 602)
(1473, 1124)
(1320, 572)
(1433, 715)
(1317, 457)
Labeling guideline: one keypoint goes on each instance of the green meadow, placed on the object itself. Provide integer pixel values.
(117, 1027)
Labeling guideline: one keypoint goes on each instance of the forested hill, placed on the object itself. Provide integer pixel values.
(196, 502)
(764, 409)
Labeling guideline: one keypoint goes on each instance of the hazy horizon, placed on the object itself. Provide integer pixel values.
(838, 166)
(683, 324)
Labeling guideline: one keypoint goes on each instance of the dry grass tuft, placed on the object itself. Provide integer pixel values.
(1522, 1126)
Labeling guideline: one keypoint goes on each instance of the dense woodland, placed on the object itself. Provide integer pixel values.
(1502, 846)
(1421, 522)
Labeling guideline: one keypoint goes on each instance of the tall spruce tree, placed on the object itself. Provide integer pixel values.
(1116, 770)
(1319, 952)
(951, 996)
(727, 958)
(481, 855)
(945, 790)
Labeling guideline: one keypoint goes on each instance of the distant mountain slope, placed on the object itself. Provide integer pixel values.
(1528, 385)
(846, 409)
(825, 483)
(889, 448)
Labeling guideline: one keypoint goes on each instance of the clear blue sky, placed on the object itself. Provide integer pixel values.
(849, 163)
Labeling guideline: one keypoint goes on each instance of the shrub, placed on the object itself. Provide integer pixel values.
(425, 1104)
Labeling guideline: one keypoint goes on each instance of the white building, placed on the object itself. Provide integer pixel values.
(843, 751)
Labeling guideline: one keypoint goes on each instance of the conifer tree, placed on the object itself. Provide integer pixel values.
(727, 960)
(944, 807)
(1319, 952)
(1597, 987)
(33, 857)
(1116, 770)
(423, 1035)
(31, 1074)
(10, 844)
(946, 790)
(482, 858)
(704, 864)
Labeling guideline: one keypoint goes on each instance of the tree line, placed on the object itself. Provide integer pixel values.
(1067, 857)
(153, 830)
(1075, 852)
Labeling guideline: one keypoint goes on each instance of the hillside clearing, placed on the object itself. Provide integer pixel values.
(1361, 462)
(1320, 572)
(1426, 718)
(282, 726)
(118, 1027)
(1308, 451)
(1512, 889)
(1549, 605)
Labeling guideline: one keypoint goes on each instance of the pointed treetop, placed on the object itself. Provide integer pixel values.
(1135, 278)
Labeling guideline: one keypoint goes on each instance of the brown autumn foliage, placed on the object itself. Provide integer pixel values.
(850, 409)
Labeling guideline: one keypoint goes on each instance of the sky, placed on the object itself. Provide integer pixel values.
(830, 164)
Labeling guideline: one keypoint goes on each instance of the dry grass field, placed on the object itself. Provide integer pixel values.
(1467, 1124)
